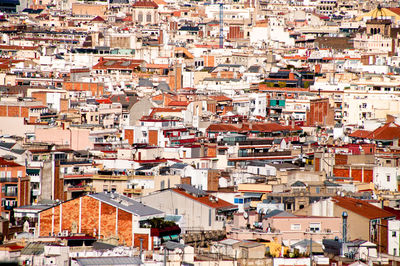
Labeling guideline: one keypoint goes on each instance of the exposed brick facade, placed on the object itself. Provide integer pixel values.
(89, 223)
(364, 175)
(129, 135)
(340, 159)
(84, 212)
(317, 162)
(97, 89)
(321, 113)
(125, 227)
(145, 240)
(108, 220)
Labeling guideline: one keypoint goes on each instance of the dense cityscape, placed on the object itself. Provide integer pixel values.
(200, 132)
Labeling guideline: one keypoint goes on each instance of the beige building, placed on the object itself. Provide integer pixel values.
(200, 211)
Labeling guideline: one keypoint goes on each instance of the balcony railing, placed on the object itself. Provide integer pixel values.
(10, 194)
(8, 179)
(79, 188)
(265, 154)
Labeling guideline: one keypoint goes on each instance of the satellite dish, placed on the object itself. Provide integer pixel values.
(245, 215)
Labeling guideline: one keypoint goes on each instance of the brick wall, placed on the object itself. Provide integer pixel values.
(145, 240)
(317, 164)
(70, 215)
(90, 215)
(108, 220)
(125, 228)
(153, 137)
(340, 159)
(356, 173)
(45, 222)
(129, 135)
(14, 111)
(90, 220)
(40, 96)
(97, 89)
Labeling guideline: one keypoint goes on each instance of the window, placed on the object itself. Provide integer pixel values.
(238, 201)
(209, 217)
(295, 227)
(315, 227)
(388, 178)
(140, 17)
(394, 233)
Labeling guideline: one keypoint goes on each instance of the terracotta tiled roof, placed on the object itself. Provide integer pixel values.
(220, 204)
(161, 66)
(4, 162)
(222, 128)
(395, 10)
(16, 47)
(389, 131)
(98, 19)
(269, 127)
(360, 134)
(164, 109)
(145, 3)
(118, 64)
(220, 98)
(160, 2)
(127, 18)
(362, 208)
(178, 103)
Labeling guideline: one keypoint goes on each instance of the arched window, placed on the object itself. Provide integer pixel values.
(372, 31)
(140, 16)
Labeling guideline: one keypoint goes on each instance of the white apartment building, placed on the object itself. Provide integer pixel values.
(385, 178)
(254, 104)
(394, 237)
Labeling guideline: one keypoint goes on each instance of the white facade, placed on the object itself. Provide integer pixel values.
(394, 237)
(385, 178)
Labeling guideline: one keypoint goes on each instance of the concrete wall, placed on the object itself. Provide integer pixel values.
(76, 139)
(15, 126)
(196, 215)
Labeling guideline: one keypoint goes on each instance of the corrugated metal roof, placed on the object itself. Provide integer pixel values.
(109, 261)
(126, 204)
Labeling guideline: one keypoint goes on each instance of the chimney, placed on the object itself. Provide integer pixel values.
(344, 217)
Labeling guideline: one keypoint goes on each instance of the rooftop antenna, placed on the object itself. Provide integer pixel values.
(221, 25)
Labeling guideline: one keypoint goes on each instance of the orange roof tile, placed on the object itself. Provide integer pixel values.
(206, 200)
(178, 103)
(360, 134)
(389, 131)
(361, 207)
(221, 98)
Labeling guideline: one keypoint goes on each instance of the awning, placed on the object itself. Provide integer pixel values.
(166, 238)
(252, 195)
(174, 237)
(32, 171)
